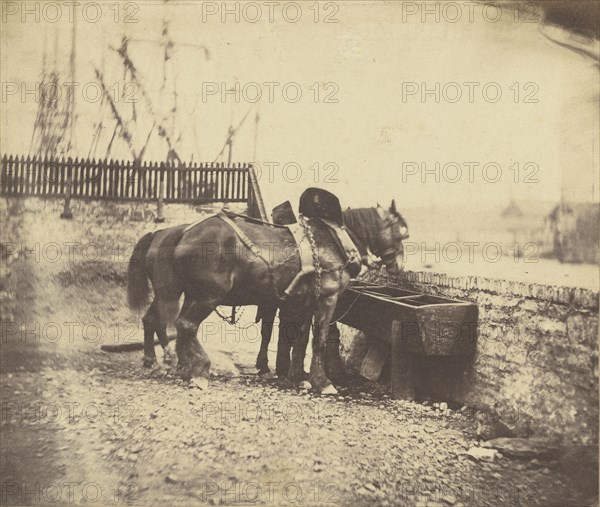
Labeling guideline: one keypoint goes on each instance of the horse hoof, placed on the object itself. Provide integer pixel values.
(149, 363)
(329, 390)
(158, 372)
(199, 382)
(266, 374)
(304, 385)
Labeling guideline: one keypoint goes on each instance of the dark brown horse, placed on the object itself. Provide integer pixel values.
(211, 264)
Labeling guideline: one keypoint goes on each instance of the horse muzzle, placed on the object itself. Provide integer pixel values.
(395, 267)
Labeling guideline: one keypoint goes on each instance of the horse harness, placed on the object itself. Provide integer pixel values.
(309, 258)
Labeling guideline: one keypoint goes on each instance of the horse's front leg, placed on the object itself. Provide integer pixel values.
(293, 323)
(334, 366)
(323, 315)
(284, 346)
(297, 375)
(285, 341)
(267, 317)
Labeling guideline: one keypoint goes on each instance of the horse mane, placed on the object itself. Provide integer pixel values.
(353, 216)
(363, 223)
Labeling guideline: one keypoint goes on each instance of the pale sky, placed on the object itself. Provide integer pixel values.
(364, 62)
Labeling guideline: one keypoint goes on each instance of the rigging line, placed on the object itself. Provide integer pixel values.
(95, 138)
(72, 111)
(97, 132)
(147, 141)
(175, 45)
(222, 149)
(256, 120)
(134, 75)
(53, 125)
(123, 131)
(100, 125)
(189, 118)
(231, 133)
(243, 119)
(196, 140)
(111, 141)
(44, 77)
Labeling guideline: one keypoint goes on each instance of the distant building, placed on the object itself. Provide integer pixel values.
(513, 210)
(575, 232)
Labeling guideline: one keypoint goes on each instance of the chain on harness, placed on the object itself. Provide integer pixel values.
(231, 320)
(315, 255)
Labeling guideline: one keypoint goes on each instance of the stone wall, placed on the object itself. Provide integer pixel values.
(536, 360)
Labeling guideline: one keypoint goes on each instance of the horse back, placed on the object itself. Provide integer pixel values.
(241, 257)
(216, 238)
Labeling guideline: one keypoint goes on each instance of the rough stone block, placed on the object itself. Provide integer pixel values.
(583, 329)
(375, 359)
(353, 347)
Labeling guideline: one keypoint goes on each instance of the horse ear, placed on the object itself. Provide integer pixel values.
(393, 206)
(378, 205)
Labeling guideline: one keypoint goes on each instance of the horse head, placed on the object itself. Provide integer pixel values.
(393, 229)
(382, 232)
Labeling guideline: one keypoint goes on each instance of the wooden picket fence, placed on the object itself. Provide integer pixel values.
(126, 181)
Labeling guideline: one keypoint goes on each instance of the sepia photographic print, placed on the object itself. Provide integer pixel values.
(299, 253)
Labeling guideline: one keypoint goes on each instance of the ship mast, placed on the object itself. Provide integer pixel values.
(71, 116)
(54, 127)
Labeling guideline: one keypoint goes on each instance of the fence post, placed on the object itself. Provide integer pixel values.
(161, 192)
(6, 172)
(67, 214)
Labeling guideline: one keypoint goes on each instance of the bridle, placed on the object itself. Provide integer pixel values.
(389, 254)
(367, 227)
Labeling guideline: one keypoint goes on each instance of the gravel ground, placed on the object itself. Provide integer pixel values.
(83, 426)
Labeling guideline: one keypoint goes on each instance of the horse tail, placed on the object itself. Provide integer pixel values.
(138, 284)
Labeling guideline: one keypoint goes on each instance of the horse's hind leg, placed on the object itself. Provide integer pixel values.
(193, 362)
(169, 359)
(284, 346)
(166, 312)
(291, 332)
(267, 316)
(155, 321)
(149, 320)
